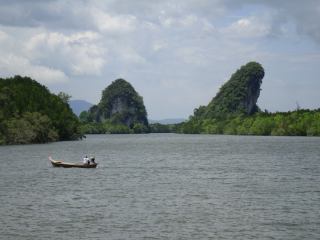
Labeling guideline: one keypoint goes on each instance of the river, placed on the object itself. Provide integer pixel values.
(163, 186)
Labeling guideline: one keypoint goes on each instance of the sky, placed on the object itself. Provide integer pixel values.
(175, 53)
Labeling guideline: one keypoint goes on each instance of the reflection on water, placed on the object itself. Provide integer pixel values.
(163, 186)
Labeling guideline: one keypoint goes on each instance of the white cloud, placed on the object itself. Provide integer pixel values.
(178, 49)
(78, 53)
(207, 26)
(305, 58)
(303, 15)
(54, 40)
(118, 24)
(192, 55)
(14, 65)
(252, 27)
(159, 45)
(130, 55)
(3, 36)
(189, 20)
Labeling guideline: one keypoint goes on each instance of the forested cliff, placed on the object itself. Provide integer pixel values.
(120, 110)
(29, 113)
(234, 111)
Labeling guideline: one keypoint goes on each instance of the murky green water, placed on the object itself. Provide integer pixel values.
(163, 186)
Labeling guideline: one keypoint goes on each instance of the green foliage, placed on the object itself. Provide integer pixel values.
(314, 128)
(64, 97)
(237, 96)
(234, 111)
(115, 128)
(297, 123)
(105, 127)
(212, 126)
(29, 113)
(161, 128)
(140, 128)
(246, 123)
(198, 112)
(130, 105)
(121, 110)
(92, 128)
(262, 125)
(84, 117)
(30, 128)
(193, 126)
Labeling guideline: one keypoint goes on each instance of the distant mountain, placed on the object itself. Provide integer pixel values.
(168, 121)
(78, 106)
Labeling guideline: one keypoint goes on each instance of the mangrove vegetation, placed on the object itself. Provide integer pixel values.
(29, 113)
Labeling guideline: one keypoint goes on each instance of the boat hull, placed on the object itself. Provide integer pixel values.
(56, 163)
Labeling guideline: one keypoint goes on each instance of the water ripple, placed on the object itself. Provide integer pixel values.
(163, 186)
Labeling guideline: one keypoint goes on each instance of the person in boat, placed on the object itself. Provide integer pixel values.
(86, 160)
(92, 160)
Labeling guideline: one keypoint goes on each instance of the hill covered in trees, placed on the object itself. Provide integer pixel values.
(237, 96)
(29, 113)
(120, 110)
(234, 111)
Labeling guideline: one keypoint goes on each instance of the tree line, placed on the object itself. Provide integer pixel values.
(29, 113)
(301, 122)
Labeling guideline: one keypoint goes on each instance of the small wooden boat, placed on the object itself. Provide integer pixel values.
(59, 163)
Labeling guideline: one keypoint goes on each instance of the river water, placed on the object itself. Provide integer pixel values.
(163, 186)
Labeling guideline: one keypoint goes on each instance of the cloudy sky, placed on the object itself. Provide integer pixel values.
(176, 53)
